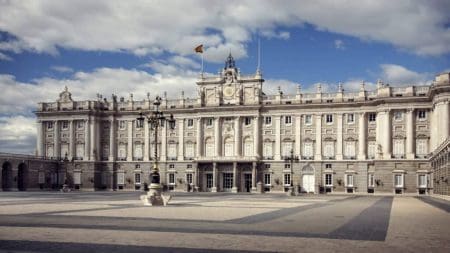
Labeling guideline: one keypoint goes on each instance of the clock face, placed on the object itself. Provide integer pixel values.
(228, 91)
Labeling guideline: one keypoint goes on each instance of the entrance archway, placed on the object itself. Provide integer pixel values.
(308, 179)
(7, 177)
(22, 177)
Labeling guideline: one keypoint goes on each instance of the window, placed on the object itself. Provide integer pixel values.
(329, 118)
(287, 148)
(189, 166)
(248, 147)
(189, 178)
(267, 166)
(267, 149)
(247, 121)
(77, 178)
(308, 149)
(370, 180)
(329, 149)
(122, 154)
(172, 151)
(171, 166)
(350, 149)
(398, 115)
(209, 121)
(189, 150)
(422, 181)
(399, 148)
(209, 180)
(398, 180)
(80, 124)
(65, 125)
(422, 147)
(328, 166)
(139, 123)
(422, 114)
(190, 123)
(328, 179)
(287, 166)
(372, 149)
(171, 178)
(287, 179)
(137, 178)
(267, 179)
(138, 166)
(287, 120)
(268, 120)
(138, 151)
(349, 179)
(372, 117)
(50, 125)
(350, 118)
(229, 147)
(122, 124)
(308, 119)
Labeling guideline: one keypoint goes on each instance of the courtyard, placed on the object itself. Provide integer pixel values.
(221, 222)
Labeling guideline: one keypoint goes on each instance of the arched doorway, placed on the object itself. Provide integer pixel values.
(6, 176)
(22, 177)
(308, 180)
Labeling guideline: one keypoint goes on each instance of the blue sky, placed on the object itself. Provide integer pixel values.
(119, 47)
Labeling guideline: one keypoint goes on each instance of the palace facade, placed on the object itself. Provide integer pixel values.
(233, 137)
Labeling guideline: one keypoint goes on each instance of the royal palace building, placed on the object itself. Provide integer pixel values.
(233, 137)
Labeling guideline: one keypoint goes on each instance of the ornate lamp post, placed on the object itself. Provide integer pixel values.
(155, 120)
(291, 160)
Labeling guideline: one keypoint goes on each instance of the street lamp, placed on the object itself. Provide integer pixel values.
(155, 120)
(291, 160)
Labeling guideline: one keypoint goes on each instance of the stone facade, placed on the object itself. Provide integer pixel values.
(233, 137)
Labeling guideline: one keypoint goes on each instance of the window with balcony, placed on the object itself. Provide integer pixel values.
(229, 147)
(329, 118)
(137, 178)
(398, 180)
(189, 150)
(247, 121)
(372, 117)
(308, 150)
(248, 147)
(172, 178)
(371, 149)
(189, 178)
(122, 124)
(371, 181)
(350, 149)
(422, 181)
(328, 149)
(422, 114)
(422, 148)
(267, 179)
(209, 122)
(349, 180)
(287, 148)
(268, 120)
(209, 147)
(267, 150)
(287, 179)
(65, 125)
(398, 115)
(172, 151)
(50, 125)
(398, 148)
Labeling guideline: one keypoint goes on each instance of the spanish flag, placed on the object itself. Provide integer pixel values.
(199, 49)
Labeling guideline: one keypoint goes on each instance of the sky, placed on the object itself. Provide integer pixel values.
(122, 47)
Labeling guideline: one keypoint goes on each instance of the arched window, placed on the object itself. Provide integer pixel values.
(268, 149)
(228, 147)
(248, 147)
(209, 147)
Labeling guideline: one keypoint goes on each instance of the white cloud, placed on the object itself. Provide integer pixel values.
(177, 26)
(18, 134)
(339, 44)
(400, 76)
(62, 69)
(4, 57)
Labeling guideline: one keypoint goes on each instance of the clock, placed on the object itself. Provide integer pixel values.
(228, 91)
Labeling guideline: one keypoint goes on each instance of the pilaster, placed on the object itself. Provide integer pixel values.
(235, 178)
(112, 140)
(130, 141)
(318, 153)
(339, 137)
(277, 155)
(217, 136)
(56, 140)
(297, 148)
(87, 139)
(410, 154)
(362, 136)
(146, 141)
(71, 140)
(256, 136)
(214, 188)
(237, 136)
(180, 125)
(199, 141)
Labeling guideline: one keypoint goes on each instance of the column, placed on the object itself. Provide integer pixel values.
(71, 140)
(410, 154)
(277, 155)
(362, 136)
(235, 178)
(214, 188)
(94, 151)
(146, 141)
(56, 142)
(196, 176)
(384, 133)
(164, 142)
(112, 140)
(254, 177)
(217, 141)
(130, 141)
(87, 139)
(40, 139)
(199, 137)
(339, 155)
(180, 125)
(445, 123)
(388, 135)
(237, 136)
(297, 148)
(318, 155)
(256, 137)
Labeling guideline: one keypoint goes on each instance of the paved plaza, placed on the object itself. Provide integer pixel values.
(205, 222)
